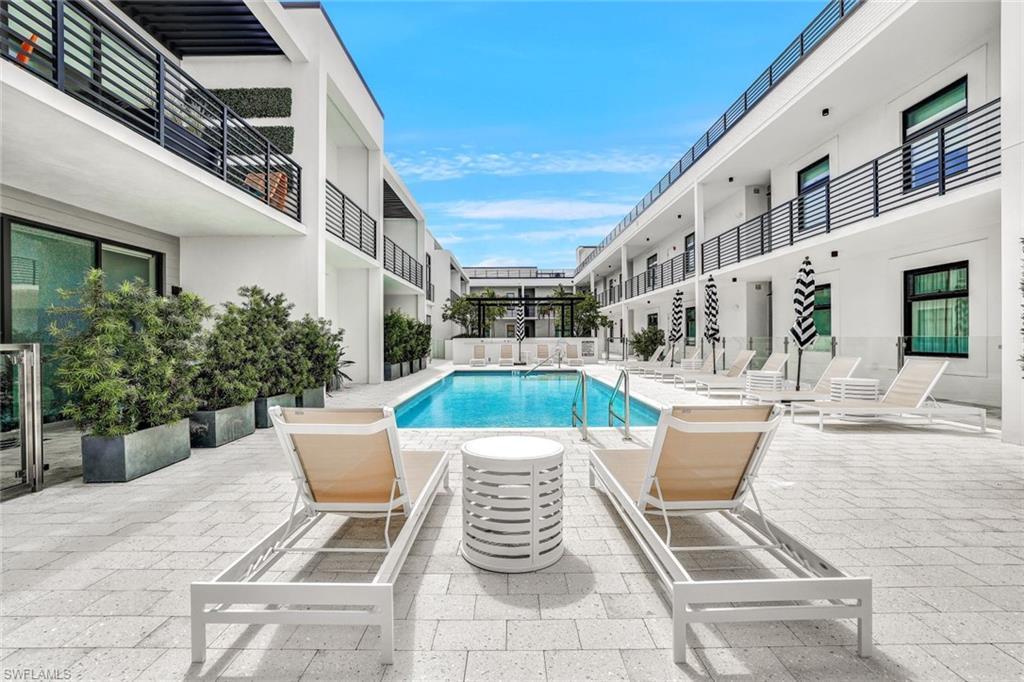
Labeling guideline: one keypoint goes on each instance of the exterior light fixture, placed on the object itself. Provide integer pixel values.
(824, 112)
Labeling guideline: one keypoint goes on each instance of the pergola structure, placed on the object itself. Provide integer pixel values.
(560, 303)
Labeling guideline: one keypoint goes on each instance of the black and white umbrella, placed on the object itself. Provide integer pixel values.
(711, 331)
(803, 330)
(675, 335)
(520, 327)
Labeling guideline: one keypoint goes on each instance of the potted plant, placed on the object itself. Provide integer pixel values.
(396, 326)
(316, 351)
(127, 362)
(266, 318)
(423, 344)
(647, 341)
(226, 383)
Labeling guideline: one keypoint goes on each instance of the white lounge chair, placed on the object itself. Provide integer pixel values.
(909, 395)
(735, 370)
(542, 352)
(572, 355)
(479, 358)
(707, 365)
(704, 460)
(506, 357)
(343, 462)
(635, 362)
(724, 383)
(839, 367)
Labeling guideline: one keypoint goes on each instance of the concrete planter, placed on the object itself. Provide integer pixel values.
(115, 459)
(213, 428)
(394, 371)
(312, 397)
(263, 406)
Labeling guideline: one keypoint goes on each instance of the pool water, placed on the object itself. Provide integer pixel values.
(508, 400)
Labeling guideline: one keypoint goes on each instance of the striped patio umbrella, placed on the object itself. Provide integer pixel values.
(675, 335)
(520, 327)
(803, 330)
(711, 332)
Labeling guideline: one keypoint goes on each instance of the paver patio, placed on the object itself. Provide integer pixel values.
(95, 578)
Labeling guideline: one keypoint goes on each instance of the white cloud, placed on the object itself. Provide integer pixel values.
(496, 262)
(533, 209)
(440, 164)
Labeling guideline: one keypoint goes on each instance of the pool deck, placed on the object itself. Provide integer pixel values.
(95, 577)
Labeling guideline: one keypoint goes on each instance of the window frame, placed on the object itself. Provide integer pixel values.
(909, 140)
(6, 222)
(690, 340)
(808, 194)
(655, 318)
(909, 299)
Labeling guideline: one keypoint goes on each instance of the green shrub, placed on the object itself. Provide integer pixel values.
(266, 318)
(421, 341)
(227, 375)
(647, 341)
(315, 350)
(257, 102)
(397, 332)
(126, 357)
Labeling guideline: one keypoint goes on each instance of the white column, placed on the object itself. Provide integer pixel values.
(1012, 135)
(627, 327)
(698, 240)
(375, 276)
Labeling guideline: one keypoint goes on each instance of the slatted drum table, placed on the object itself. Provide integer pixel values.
(512, 503)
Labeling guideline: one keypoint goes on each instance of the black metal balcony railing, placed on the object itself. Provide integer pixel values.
(398, 261)
(819, 28)
(88, 53)
(678, 269)
(347, 221)
(962, 152)
(516, 273)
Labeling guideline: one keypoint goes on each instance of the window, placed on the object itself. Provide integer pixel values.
(935, 314)
(691, 326)
(124, 265)
(652, 320)
(921, 125)
(812, 188)
(510, 331)
(690, 249)
(651, 273)
(822, 316)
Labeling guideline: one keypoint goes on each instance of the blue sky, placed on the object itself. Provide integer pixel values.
(526, 128)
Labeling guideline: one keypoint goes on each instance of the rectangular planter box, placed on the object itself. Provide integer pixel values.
(312, 397)
(264, 404)
(213, 428)
(115, 459)
(394, 371)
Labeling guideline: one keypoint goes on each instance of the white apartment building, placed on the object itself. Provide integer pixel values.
(446, 280)
(120, 152)
(522, 282)
(885, 144)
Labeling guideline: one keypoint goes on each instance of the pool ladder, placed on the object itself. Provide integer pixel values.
(622, 381)
(579, 398)
(548, 359)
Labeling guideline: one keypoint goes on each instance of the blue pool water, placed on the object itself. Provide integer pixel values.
(506, 399)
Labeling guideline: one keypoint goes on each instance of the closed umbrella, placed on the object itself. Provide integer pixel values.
(711, 331)
(676, 333)
(803, 331)
(520, 328)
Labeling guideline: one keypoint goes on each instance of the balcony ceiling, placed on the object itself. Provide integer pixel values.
(394, 207)
(193, 28)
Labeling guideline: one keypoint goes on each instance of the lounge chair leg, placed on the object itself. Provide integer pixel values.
(865, 646)
(679, 626)
(446, 479)
(198, 626)
(387, 631)
(590, 475)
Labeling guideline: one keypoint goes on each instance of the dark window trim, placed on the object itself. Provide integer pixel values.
(656, 320)
(816, 187)
(942, 121)
(6, 220)
(817, 183)
(908, 299)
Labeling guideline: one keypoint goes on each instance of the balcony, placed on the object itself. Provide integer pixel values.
(516, 273)
(962, 152)
(674, 271)
(398, 261)
(89, 54)
(819, 28)
(349, 223)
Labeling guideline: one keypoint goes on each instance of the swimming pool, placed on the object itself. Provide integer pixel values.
(507, 400)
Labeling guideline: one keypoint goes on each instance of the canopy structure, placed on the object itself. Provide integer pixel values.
(561, 304)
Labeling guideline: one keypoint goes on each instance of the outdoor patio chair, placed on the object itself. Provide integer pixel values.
(479, 358)
(724, 383)
(707, 365)
(909, 395)
(703, 460)
(635, 362)
(839, 367)
(506, 358)
(542, 352)
(343, 461)
(572, 355)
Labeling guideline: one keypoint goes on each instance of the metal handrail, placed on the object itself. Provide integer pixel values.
(539, 365)
(623, 381)
(27, 357)
(581, 390)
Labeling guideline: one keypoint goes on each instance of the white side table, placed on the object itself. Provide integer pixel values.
(512, 503)
(848, 388)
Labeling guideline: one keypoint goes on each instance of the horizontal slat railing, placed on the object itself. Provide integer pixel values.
(823, 24)
(673, 271)
(88, 53)
(398, 261)
(960, 153)
(349, 223)
(516, 273)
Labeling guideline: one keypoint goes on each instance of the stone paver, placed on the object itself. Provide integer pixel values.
(95, 578)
